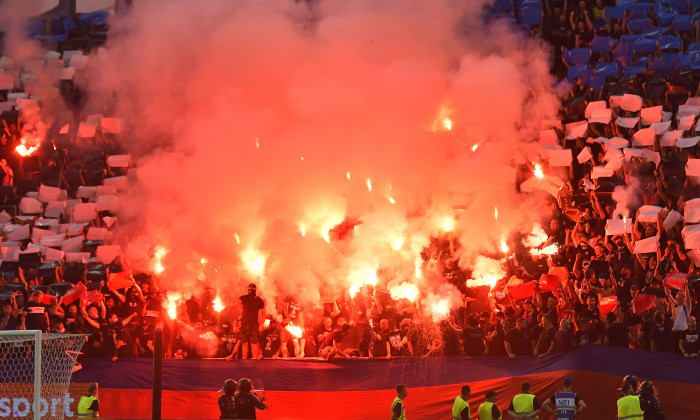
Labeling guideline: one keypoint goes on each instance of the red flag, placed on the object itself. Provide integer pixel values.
(607, 304)
(548, 282)
(642, 303)
(561, 272)
(73, 294)
(119, 280)
(47, 299)
(676, 280)
(91, 297)
(521, 291)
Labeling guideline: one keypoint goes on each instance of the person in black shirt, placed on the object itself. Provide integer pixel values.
(649, 403)
(36, 316)
(473, 338)
(246, 403)
(616, 334)
(227, 405)
(689, 343)
(661, 337)
(517, 342)
(546, 344)
(251, 321)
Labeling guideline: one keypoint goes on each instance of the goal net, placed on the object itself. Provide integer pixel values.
(36, 367)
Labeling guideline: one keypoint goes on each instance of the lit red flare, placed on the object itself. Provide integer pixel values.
(28, 145)
(548, 250)
(217, 305)
(537, 237)
(294, 330)
(538, 172)
(404, 291)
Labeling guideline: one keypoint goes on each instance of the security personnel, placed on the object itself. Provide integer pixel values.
(524, 405)
(649, 403)
(568, 403)
(489, 410)
(398, 411)
(88, 406)
(628, 407)
(460, 409)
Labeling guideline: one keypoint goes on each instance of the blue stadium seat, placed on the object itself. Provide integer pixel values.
(502, 6)
(596, 83)
(601, 44)
(637, 25)
(655, 31)
(644, 8)
(694, 4)
(680, 6)
(666, 18)
(607, 69)
(694, 48)
(581, 56)
(531, 15)
(645, 46)
(616, 12)
(670, 42)
(633, 70)
(577, 71)
(659, 66)
(682, 22)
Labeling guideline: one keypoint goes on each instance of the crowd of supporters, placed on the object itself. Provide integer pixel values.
(629, 138)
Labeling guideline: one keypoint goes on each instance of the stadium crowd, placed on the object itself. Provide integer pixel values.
(621, 262)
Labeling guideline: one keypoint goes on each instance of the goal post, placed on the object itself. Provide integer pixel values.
(35, 372)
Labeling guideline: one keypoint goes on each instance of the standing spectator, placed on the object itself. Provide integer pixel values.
(473, 338)
(586, 333)
(563, 338)
(616, 334)
(35, 315)
(680, 308)
(8, 175)
(252, 321)
(546, 344)
(517, 342)
(524, 405)
(689, 344)
(661, 337)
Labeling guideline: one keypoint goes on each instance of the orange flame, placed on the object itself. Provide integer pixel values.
(486, 272)
(476, 146)
(369, 184)
(217, 305)
(254, 261)
(548, 250)
(404, 291)
(294, 330)
(28, 145)
(504, 246)
(159, 253)
(539, 173)
(537, 237)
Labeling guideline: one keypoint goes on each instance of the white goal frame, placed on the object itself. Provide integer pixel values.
(36, 403)
(63, 360)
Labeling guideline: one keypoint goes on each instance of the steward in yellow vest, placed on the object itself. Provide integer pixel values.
(628, 406)
(489, 410)
(398, 411)
(524, 405)
(88, 406)
(460, 409)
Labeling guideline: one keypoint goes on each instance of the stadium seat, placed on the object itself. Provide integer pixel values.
(682, 22)
(607, 69)
(531, 14)
(601, 44)
(670, 43)
(576, 71)
(665, 18)
(655, 31)
(645, 46)
(580, 56)
(637, 25)
(633, 70)
(680, 6)
(659, 66)
(643, 8)
(616, 12)
(694, 48)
